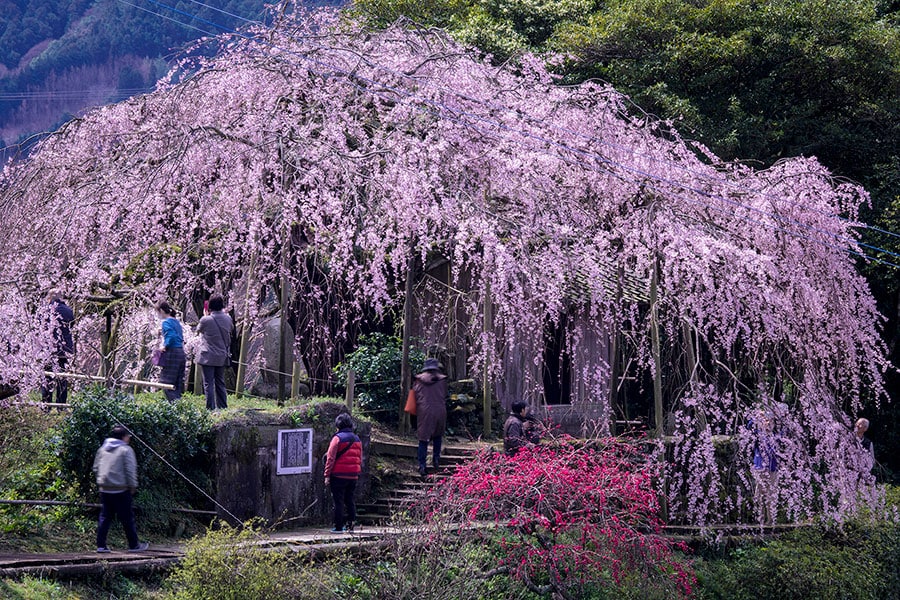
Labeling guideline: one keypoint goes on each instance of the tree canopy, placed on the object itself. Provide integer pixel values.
(329, 156)
(750, 78)
(757, 80)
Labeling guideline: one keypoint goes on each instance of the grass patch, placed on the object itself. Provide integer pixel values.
(114, 587)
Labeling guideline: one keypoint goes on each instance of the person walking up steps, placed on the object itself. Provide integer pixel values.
(115, 467)
(430, 387)
(343, 464)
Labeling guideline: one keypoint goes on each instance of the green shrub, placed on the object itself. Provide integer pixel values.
(857, 562)
(180, 432)
(237, 564)
(28, 443)
(29, 470)
(377, 362)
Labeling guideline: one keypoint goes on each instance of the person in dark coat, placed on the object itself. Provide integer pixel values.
(430, 387)
(343, 464)
(172, 357)
(514, 436)
(62, 319)
(215, 330)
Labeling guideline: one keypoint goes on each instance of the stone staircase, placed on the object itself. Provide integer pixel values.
(409, 487)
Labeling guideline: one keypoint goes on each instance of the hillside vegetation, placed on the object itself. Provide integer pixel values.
(58, 57)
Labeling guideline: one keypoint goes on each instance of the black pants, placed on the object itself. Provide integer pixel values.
(214, 387)
(435, 452)
(112, 506)
(61, 385)
(172, 372)
(343, 491)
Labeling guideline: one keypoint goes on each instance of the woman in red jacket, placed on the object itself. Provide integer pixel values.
(343, 464)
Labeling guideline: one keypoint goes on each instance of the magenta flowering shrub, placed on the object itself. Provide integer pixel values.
(327, 156)
(570, 517)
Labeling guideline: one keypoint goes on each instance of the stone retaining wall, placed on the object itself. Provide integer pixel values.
(246, 477)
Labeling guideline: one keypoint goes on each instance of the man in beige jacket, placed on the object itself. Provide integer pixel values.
(115, 467)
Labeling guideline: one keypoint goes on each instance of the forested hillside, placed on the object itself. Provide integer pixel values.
(58, 57)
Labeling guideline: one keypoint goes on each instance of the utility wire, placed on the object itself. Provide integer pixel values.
(167, 463)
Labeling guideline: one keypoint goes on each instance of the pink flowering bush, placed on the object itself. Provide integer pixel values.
(570, 517)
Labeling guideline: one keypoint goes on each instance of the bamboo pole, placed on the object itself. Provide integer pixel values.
(296, 378)
(657, 375)
(245, 332)
(198, 379)
(405, 368)
(105, 339)
(614, 359)
(189, 511)
(487, 327)
(135, 382)
(282, 330)
(691, 358)
(657, 360)
(351, 391)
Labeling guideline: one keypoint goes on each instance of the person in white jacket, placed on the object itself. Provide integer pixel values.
(115, 467)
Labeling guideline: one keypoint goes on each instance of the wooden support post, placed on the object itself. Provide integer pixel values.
(657, 359)
(487, 328)
(142, 357)
(198, 379)
(105, 344)
(245, 332)
(283, 330)
(405, 367)
(296, 372)
(614, 358)
(658, 416)
(351, 391)
(687, 336)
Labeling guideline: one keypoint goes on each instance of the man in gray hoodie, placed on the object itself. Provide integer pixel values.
(116, 470)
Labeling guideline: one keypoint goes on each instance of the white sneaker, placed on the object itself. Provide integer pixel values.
(142, 546)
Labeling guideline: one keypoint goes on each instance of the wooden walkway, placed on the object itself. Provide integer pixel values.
(163, 557)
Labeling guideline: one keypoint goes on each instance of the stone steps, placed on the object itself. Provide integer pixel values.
(411, 488)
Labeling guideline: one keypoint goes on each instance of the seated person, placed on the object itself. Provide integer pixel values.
(520, 429)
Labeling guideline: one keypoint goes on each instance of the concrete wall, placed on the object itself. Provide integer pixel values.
(578, 420)
(245, 466)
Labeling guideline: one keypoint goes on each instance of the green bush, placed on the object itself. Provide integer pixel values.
(377, 362)
(180, 432)
(857, 562)
(29, 470)
(28, 441)
(237, 564)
